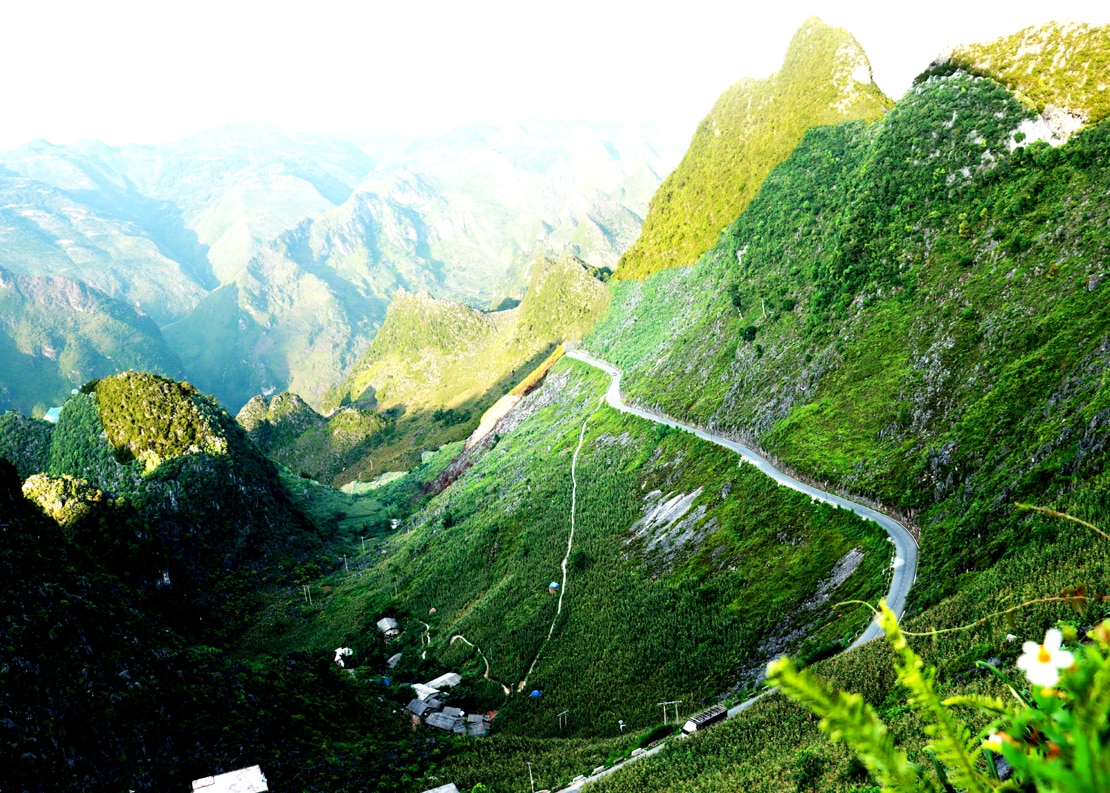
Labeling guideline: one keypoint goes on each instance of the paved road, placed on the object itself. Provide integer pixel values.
(905, 547)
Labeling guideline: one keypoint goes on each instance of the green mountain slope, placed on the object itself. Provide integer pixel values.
(666, 580)
(926, 328)
(290, 432)
(1061, 68)
(436, 366)
(170, 496)
(98, 692)
(57, 333)
(825, 79)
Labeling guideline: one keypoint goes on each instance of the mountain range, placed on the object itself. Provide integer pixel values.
(267, 260)
(904, 305)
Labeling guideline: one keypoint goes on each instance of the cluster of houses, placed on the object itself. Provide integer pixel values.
(426, 706)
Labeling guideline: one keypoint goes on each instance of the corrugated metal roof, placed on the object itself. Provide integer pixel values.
(245, 780)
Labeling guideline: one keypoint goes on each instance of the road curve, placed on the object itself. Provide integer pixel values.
(905, 547)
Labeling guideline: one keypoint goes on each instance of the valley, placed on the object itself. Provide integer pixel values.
(518, 423)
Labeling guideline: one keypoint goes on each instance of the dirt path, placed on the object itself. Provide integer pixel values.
(466, 641)
(570, 547)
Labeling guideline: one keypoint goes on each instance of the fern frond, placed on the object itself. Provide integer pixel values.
(846, 717)
(950, 737)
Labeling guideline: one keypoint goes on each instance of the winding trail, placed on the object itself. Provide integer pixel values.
(464, 640)
(426, 639)
(570, 547)
(904, 565)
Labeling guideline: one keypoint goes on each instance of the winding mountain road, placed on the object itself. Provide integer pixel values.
(904, 565)
(905, 547)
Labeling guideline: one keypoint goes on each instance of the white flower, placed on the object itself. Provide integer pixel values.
(1042, 662)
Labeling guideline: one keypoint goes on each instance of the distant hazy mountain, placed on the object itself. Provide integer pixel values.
(57, 333)
(273, 256)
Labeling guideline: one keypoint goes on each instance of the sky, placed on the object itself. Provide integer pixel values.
(123, 71)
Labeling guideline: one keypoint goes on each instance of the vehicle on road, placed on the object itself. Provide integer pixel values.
(706, 718)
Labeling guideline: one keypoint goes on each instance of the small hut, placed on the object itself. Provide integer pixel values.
(389, 628)
(553, 588)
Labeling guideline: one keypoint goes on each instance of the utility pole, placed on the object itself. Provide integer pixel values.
(676, 703)
(345, 567)
(562, 717)
(531, 781)
(620, 723)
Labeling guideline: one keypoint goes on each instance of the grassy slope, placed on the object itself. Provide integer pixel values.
(953, 363)
(750, 130)
(677, 622)
(941, 352)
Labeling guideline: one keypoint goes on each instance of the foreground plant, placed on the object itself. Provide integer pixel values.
(1054, 737)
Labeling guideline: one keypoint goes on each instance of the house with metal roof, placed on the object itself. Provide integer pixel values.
(245, 780)
(389, 627)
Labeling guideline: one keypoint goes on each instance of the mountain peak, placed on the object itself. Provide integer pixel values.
(825, 79)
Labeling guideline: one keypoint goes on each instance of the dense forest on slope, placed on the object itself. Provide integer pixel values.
(825, 79)
(97, 692)
(927, 328)
(164, 489)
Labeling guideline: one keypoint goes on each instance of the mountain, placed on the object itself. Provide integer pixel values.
(98, 692)
(436, 366)
(269, 258)
(1060, 68)
(165, 490)
(825, 79)
(57, 333)
(461, 217)
(72, 227)
(287, 430)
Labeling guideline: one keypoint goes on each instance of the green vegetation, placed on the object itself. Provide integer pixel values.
(825, 79)
(290, 432)
(683, 616)
(154, 419)
(435, 367)
(97, 692)
(57, 333)
(25, 442)
(934, 310)
(169, 489)
(1054, 65)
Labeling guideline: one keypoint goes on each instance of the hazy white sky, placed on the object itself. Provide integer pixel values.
(146, 71)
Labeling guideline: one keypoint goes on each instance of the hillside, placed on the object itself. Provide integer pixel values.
(57, 333)
(887, 332)
(1060, 68)
(435, 366)
(135, 451)
(290, 432)
(665, 573)
(269, 258)
(98, 692)
(825, 79)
